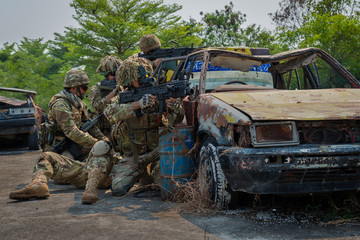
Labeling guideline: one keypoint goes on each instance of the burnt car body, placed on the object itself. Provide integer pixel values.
(272, 124)
(19, 118)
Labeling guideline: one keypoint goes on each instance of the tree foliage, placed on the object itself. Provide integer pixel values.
(225, 28)
(330, 25)
(115, 27)
(336, 34)
(294, 13)
(27, 65)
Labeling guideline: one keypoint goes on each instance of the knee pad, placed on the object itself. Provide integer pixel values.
(100, 148)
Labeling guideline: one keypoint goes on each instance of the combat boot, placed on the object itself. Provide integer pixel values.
(36, 189)
(90, 194)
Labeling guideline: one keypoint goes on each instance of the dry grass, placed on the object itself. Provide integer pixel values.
(192, 199)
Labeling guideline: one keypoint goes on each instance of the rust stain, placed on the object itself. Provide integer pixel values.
(299, 105)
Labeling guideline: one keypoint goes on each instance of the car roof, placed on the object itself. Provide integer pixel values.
(285, 61)
(18, 90)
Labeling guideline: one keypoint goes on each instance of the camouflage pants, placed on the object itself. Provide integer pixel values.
(65, 170)
(127, 172)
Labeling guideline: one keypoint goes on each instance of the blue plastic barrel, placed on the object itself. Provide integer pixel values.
(175, 164)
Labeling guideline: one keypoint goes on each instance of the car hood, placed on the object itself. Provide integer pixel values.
(330, 104)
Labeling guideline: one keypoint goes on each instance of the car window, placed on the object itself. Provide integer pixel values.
(217, 75)
(309, 72)
(318, 74)
(223, 69)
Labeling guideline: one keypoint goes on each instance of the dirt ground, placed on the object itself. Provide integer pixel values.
(142, 216)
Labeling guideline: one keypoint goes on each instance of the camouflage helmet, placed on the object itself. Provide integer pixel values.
(108, 64)
(128, 71)
(149, 42)
(74, 78)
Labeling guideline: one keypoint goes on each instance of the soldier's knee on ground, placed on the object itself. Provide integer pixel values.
(99, 157)
(121, 184)
(121, 191)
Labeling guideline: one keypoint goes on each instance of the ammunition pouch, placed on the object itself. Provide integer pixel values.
(47, 134)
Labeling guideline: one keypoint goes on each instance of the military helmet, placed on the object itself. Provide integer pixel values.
(74, 78)
(149, 42)
(108, 64)
(128, 71)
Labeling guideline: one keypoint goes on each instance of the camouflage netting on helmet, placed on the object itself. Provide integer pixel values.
(128, 71)
(108, 64)
(74, 78)
(149, 42)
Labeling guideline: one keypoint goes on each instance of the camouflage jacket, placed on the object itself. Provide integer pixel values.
(67, 113)
(98, 99)
(141, 128)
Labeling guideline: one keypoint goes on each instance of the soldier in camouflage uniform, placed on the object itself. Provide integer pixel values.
(149, 43)
(139, 122)
(67, 112)
(102, 92)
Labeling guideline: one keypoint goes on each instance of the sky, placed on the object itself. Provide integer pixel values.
(42, 18)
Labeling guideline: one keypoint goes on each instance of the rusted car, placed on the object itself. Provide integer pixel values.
(271, 124)
(20, 118)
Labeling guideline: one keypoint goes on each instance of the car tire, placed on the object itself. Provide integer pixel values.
(33, 140)
(212, 180)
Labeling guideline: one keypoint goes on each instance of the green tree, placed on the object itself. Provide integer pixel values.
(221, 28)
(336, 34)
(28, 65)
(225, 28)
(333, 26)
(115, 27)
(294, 13)
(291, 14)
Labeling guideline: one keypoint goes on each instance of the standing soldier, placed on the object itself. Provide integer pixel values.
(138, 137)
(102, 93)
(67, 113)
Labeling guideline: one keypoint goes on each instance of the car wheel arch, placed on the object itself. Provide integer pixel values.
(211, 175)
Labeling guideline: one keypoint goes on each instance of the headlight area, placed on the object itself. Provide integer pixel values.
(267, 134)
(272, 134)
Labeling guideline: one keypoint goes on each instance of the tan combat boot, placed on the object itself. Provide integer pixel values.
(90, 194)
(36, 189)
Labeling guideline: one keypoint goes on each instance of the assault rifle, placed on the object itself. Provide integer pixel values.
(173, 89)
(68, 144)
(167, 52)
(108, 84)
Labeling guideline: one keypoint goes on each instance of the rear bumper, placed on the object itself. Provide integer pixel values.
(287, 170)
(17, 126)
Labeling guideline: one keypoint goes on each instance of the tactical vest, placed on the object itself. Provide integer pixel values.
(79, 112)
(142, 131)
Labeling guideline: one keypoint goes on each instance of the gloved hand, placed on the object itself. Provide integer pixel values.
(172, 103)
(146, 101)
